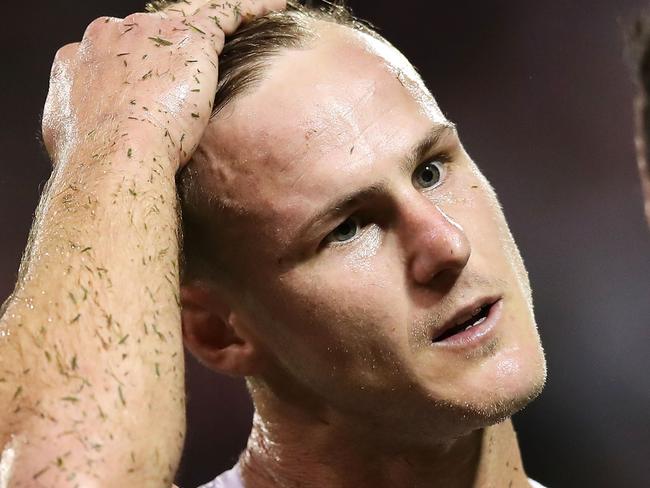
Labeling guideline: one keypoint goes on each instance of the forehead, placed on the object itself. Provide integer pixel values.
(321, 119)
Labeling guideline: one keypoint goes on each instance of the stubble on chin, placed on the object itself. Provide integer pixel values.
(500, 409)
(484, 351)
(508, 398)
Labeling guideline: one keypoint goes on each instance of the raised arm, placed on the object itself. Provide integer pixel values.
(91, 366)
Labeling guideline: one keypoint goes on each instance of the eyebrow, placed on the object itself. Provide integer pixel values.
(344, 204)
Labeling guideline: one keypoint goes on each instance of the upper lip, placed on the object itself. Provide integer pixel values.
(465, 313)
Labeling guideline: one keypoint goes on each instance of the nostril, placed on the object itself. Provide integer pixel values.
(443, 267)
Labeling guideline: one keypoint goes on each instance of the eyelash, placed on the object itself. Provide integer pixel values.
(362, 225)
(443, 157)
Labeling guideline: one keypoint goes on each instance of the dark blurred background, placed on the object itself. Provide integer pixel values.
(542, 97)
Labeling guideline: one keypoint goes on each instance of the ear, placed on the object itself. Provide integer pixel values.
(213, 333)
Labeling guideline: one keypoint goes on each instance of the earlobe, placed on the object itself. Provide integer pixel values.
(213, 334)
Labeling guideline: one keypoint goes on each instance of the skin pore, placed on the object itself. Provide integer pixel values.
(361, 228)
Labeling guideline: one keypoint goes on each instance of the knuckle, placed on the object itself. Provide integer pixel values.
(48, 130)
(66, 52)
(48, 139)
(267, 6)
(99, 25)
(252, 9)
(219, 36)
(201, 26)
(263, 7)
(137, 18)
(252, 6)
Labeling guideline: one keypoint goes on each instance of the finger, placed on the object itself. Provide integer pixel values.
(252, 9)
(271, 6)
(62, 60)
(59, 74)
(98, 26)
(176, 8)
(67, 52)
(228, 15)
(203, 22)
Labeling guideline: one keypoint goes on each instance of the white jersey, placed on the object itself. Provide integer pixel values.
(232, 479)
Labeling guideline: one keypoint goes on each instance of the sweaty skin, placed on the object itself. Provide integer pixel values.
(335, 335)
(91, 358)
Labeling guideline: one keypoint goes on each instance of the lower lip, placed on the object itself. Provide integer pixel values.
(477, 335)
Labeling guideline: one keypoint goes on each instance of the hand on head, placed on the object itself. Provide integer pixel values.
(151, 76)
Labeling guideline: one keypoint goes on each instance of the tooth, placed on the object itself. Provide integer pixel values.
(478, 322)
(465, 318)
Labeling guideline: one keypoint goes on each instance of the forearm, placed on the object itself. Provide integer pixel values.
(91, 366)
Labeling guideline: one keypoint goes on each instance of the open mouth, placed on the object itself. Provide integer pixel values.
(477, 317)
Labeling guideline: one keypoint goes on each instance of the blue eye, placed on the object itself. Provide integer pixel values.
(428, 174)
(345, 231)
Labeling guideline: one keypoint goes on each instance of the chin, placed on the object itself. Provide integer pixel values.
(505, 384)
(486, 400)
(513, 381)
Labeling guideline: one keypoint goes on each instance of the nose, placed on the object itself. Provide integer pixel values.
(436, 245)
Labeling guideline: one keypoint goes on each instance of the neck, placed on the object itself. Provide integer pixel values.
(298, 450)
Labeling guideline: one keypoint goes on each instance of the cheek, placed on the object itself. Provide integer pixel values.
(363, 256)
(493, 247)
(344, 300)
(492, 227)
(343, 313)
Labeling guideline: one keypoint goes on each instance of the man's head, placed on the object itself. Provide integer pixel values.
(350, 228)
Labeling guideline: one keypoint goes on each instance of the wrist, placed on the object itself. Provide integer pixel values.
(121, 147)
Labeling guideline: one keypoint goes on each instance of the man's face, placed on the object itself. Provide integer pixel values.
(359, 229)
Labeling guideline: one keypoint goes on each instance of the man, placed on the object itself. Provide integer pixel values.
(639, 49)
(342, 252)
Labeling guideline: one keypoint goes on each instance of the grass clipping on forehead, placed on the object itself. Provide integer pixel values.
(242, 64)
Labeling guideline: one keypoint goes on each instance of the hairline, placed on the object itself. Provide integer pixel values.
(304, 33)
